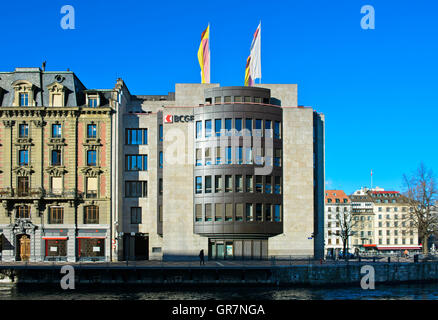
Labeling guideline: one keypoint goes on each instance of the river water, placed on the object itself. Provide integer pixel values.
(381, 292)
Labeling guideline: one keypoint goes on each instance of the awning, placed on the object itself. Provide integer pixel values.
(398, 248)
(96, 237)
(55, 238)
(369, 245)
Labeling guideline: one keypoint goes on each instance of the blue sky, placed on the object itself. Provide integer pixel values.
(377, 88)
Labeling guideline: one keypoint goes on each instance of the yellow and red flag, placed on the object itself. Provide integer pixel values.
(253, 68)
(204, 55)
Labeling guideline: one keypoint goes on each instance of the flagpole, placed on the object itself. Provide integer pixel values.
(260, 80)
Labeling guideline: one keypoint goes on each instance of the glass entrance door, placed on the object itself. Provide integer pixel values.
(220, 251)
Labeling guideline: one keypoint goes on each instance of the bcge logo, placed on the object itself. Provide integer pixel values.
(184, 118)
(168, 118)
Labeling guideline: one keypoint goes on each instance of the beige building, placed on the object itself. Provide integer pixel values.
(235, 171)
(55, 138)
(383, 222)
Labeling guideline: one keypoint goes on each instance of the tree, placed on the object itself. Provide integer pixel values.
(347, 225)
(421, 192)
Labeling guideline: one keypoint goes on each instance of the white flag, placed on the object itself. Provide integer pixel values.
(255, 62)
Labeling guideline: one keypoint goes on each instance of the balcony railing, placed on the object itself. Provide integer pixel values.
(39, 193)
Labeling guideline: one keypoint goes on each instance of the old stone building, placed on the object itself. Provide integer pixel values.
(55, 148)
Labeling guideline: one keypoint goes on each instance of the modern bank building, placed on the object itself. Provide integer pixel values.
(105, 175)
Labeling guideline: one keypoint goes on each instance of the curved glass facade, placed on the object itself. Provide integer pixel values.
(238, 164)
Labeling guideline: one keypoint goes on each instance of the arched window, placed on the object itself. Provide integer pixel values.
(91, 215)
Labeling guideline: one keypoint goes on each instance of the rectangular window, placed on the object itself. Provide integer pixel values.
(228, 127)
(248, 155)
(198, 185)
(218, 127)
(277, 130)
(136, 189)
(277, 189)
(56, 131)
(23, 212)
(238, 126)
(198, 157)
(239, 183)
(237, 99)
(268, 184)
(92, 102)
(277, 213)
(23, 186)
(259, 183)
(207, 184)
(92, 131)
(208, 213)
(56, 185)
(56, 157)
(136, 136)
(160, 213)
(137, 162)
(218, 214)
(277, 157)
(198, 129)
(91, 187)
(135, 215)
(228, 212)
(268, 212)
(198, 212)
(227, 99)
(23, 157)
(217, 99)
(268, 128)
(239, 155)
(228, 183)
(239, 211)
(246, 99)
(208, 129)
(24, 99)
(91, 158)
(218, 184)
(218, 156)
(56, 215)
(259, 212)
(91, 215)
(160, 128)
(258, 128)
(160, 186)
(249, 184)
(160, 165)
(249, 212)
(23, 131)
(248, 126)
(228, 157)
(208, 157)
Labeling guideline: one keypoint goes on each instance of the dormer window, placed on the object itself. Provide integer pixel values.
(93, 100)
(24, 99)
(56, 95)
(23, 93)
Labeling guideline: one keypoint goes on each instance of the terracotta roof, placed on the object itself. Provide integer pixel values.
(334, 195)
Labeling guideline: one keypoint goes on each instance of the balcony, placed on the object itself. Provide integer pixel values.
(32, 193)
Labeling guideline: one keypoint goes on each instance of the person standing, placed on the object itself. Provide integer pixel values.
(201, 257)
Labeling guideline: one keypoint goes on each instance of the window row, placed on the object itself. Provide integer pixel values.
(247, 212)
(396, 241)
(56, 214)
(242, 155)
(241, 127)
(56, 131)
(229, 99)
(136, 136)
(257, 183)
(396, 232)
(396, 225)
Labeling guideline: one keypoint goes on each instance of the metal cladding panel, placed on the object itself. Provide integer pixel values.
(247, 248)
(256, 250)
(238, 249)
(264, 249)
